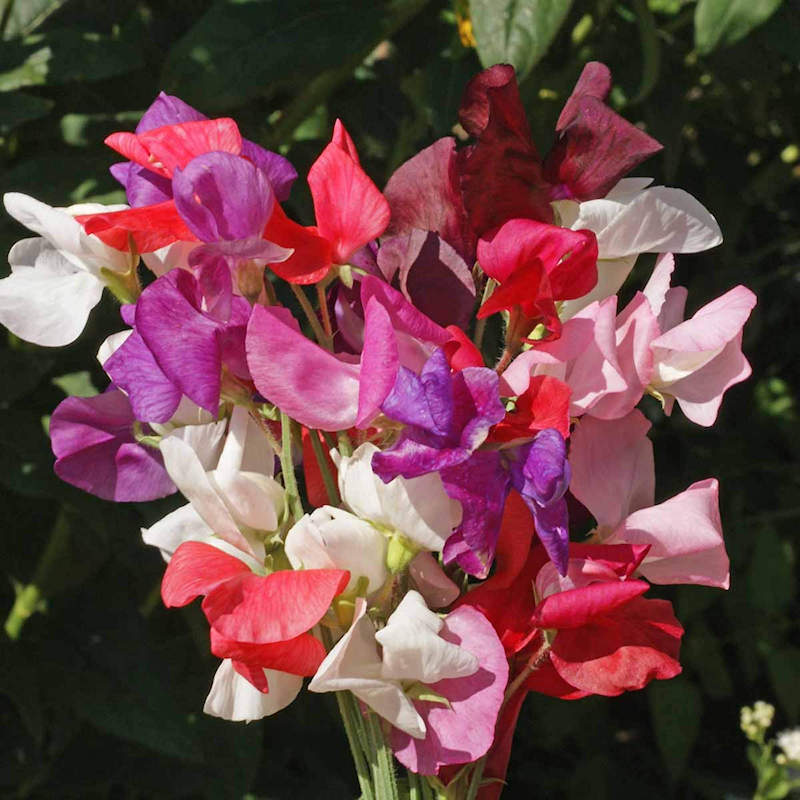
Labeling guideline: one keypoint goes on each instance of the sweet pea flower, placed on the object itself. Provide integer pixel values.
(145, 187)
(332, 538)
(185, 332)
(417, 509)
(635, 218)
(56, 278)
(97, 449)
(238, 499)
(613, 475)
(447, 417)
(337, 391)
(458, 659)
(604, 637)
(697, 360)
(502, 174)
(536, 265)
(235, 698)
(255, 618)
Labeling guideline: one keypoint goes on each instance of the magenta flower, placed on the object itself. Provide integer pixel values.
(96, 450)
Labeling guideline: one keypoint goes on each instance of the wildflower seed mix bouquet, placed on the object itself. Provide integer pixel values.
(407, 434)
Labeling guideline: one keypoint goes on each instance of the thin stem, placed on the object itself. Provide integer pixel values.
(475, 780)
(269, 291)
(311, 316)
(265, 429)
(505, 360)
(322, 301)
(383, 768)
(480, 325)
(345, 445)
(533, 664)
(287, 467)
(327, 478)
(343, 700)
(30, 597)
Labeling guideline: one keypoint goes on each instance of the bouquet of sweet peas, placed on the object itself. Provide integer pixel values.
(407, 435)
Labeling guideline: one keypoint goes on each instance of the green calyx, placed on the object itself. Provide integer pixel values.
(400, 553)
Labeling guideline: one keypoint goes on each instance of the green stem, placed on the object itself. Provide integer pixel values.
(30, 597)
(480, 325)
(345, 445)
(287, 468)
(327, 478)
(345, 702)
(383, 766)
(475, 780)
(311, 316)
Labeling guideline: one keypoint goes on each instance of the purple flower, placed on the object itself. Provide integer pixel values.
(185, 330)
(447, 415)
(144, 187)
(541, 474)
(95, 449)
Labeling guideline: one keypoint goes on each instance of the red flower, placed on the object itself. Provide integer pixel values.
(258, 621)
(502, 175)
(536, 265)
(605, 638)
(544, 404)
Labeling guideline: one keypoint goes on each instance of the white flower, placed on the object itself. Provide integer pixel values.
(411, 651)
(238, 499)
(332, 538)
(789, 742)
(417, 508)
(234, 698)
(56, 279)
(636, 218)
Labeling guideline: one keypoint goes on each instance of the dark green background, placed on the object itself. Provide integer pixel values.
(101, 694)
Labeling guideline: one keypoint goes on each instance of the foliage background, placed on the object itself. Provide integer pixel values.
(101, 691)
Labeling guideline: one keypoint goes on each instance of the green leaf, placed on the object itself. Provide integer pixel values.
(675, 709)
(76, 384)
(241, 49)
(516, 32)
(419, 691)
(770, 579)
(783, 667)
(719, 23)
(64, 56)
(27, 15)
(18, 108)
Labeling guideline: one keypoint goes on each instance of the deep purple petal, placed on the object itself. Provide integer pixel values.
(480, 484)
(552, 528)
(416, 453)
(278, 169)
(437, 383)
(153, 396)
(92, 438)
(182, 339)
(222, 196)
(477, 406)
(167, 109)
(407, 402)
(546, 468)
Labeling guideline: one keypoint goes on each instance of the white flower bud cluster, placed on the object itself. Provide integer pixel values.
(789, 742)
(754, 721)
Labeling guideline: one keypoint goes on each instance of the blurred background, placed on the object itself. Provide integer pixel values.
(101, 688)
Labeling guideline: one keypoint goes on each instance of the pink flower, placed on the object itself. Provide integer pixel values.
(613, 476)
